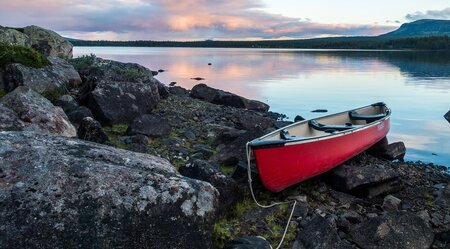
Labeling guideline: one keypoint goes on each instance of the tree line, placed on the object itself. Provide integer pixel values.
(421, 43)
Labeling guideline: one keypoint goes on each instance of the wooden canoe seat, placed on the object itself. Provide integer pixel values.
(330, 128)
(368, 118)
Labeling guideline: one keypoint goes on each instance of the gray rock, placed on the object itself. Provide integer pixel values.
(48, 42)
(252, 120)
(393, 151)
(13, 37)
(57, 77)
(216, 96)
(249, 242)
(362, 173)
(114, 102)
(110, 70)
(391, 203)
(203, 170)
(298, 118)
(204, 149)
(69, 193)
(66, 102)
(138, 143)
(35, 113)
(178, 90)
(76, 116)
(281, 124)
(234, 152)
(393, 230)
(9, 121)
(321, 233)
(149, 125)
(91, 130)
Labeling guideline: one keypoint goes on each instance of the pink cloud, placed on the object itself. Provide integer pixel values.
(169, 20)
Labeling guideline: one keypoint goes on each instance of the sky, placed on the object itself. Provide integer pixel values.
(217, 19)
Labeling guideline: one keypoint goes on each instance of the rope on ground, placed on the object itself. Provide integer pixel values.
(249, 172)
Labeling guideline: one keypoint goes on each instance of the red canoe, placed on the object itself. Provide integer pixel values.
(311, 147)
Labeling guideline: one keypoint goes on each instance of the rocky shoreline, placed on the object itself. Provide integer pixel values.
(98, 153)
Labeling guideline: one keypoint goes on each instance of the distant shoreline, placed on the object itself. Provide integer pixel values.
(368, 43)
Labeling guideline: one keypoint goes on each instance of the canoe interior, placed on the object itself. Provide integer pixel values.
(303, 130)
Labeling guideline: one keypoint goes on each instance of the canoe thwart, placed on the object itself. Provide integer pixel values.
(330, 128)
(368, 118)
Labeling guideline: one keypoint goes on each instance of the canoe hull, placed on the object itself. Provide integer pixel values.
(282, 166)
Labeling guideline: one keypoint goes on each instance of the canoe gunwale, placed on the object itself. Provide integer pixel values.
(260, 143)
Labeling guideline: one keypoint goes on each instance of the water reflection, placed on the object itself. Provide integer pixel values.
(414, 84)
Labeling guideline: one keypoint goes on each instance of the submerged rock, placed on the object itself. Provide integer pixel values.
(53, 79)
(32, 112)
(393, 230)
(68, 193)
(216, 96)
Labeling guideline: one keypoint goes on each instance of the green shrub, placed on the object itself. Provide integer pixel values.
(134, 73)
(83, 62)
(20, 54)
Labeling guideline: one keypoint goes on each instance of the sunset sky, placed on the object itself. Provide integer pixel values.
(217, 19)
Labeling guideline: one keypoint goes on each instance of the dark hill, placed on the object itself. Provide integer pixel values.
(424, 27)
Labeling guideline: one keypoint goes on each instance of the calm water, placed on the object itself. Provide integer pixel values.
(416, 85)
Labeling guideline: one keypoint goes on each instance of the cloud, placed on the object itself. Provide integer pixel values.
(430, 14)
(170, 20)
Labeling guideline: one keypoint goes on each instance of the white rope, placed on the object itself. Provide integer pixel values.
(249, 172)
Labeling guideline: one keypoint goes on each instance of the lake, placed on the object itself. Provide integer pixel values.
(415, 85)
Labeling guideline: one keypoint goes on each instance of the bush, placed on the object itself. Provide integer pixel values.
(20, 54)
(83, 62)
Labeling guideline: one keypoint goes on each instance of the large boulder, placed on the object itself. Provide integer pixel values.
(101, 69)
(53, 79)
(13, 37)
(114, 102)
(216, 96)
(365, 175)
(393, 230)
(32, 112)
(48, 42)
(68, 193)
(149, 125)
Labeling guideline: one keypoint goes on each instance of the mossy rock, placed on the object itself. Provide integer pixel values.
(19, 54)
